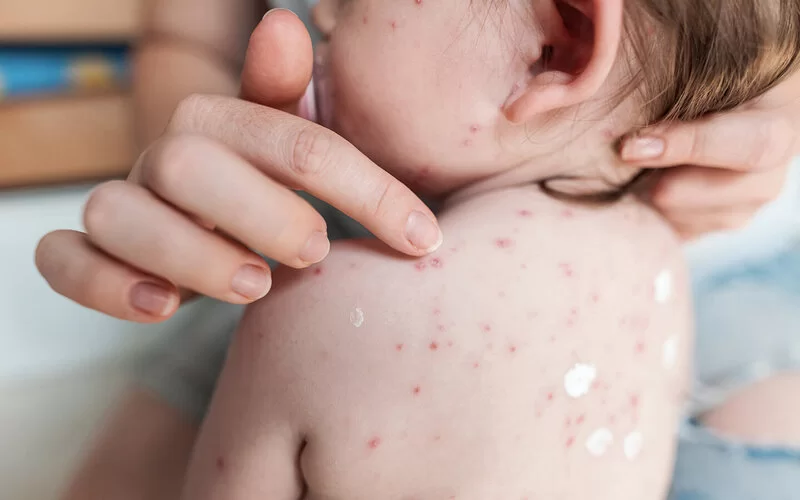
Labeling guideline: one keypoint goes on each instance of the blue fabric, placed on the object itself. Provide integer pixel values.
(35, 71)
(711, 467)
(748, 329)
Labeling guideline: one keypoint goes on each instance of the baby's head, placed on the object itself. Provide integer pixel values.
(446, 93)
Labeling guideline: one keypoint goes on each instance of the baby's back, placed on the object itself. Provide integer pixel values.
(541, 353)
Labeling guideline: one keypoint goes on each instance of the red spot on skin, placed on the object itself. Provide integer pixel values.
(467, 143)
(567, 213)
(417, 390)
(595, 298)
(612, 419)
(550, 396)
(634, 400)
(596, 384)
(220, 464)
(525, 213)
(374, 442)
(504, 243)
(437, 311)
(486, 327)
(436, 262)
(441, 328)
(640, 347)
(476, 365)
(437, 438)
(399, 347)
(365, 19)
(475, 129)
(420, 265)
(581, 419)
(434, 346)
(524, 266)
(420, 179)
(393, 24)
(570, 442)
(567, 269)
(449, 343)
(512, 349)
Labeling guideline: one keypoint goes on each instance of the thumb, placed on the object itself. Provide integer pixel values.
(279, 61)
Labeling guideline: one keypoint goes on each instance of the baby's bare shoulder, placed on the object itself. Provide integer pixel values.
(512, 261)
(540, 334)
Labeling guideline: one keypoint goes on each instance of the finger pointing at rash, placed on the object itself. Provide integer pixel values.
(279, 61)
(301, 154)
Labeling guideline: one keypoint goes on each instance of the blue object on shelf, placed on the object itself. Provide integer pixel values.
(37, 71)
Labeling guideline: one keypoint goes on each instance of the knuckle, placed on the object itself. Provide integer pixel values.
(696, 143)
(310, 153)
(772, 144)
(171, 162)
(101, 205)
(663, 195)
(379, 204)
(190, 112)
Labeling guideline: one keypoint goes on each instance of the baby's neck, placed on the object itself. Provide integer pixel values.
(575, 170)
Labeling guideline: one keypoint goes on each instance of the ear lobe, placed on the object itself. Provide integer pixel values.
(582, 55)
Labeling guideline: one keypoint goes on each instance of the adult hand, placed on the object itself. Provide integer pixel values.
(217, 185)
(737, 161)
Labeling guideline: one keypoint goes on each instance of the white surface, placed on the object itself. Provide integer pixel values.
(61, 366)
(41, 332)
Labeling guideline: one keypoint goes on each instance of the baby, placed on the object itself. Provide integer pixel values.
(542, 350)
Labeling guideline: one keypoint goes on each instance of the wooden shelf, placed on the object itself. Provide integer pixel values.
(69, 20)
(65, 139)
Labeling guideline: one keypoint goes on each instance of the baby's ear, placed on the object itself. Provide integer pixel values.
(576, 58)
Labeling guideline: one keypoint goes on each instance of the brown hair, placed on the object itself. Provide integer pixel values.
(692, 58)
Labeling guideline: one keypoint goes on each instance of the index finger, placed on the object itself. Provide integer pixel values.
(304, 155)
(742, 140)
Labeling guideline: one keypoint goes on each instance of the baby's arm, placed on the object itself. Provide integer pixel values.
(467, 374)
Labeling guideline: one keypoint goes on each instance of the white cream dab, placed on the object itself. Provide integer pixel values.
(632, 446)
(579, 379)
(669, 353)
(357, 317)
(662, 287)
(599, 442)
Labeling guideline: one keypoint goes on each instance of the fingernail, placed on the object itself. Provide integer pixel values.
(251, 282)
(316, 249)
(643, 148)
(423, 233)
(152, 298)
(272, 11)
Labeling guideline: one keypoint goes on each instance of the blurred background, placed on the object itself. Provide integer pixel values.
(65, 123)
